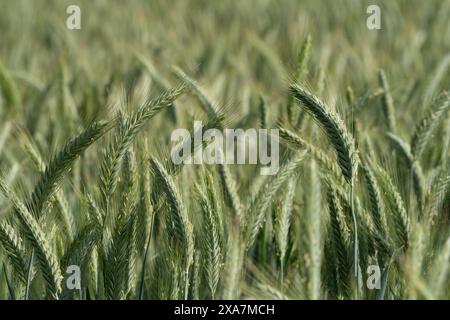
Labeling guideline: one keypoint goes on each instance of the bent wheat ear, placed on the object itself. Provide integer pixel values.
(257, 211)
(206, 102)
(48, 262)
(14, 248)
(60, 164)
(327, 164)
(61, 200)
(334, 128)
(400, 219)
(116, 150)
(179, 225)
(429, 122)
(414, 167)
(387, 101)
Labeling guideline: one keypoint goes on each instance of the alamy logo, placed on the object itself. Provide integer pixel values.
(230, 146)
(374, 277)
(74, 19)
(74, 277)
(374, 20)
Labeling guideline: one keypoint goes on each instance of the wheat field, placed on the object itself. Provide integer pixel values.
(92, 206)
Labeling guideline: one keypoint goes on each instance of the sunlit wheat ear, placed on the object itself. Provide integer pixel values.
(387, 101)
(428, 124)
(60, 164)
(334, 128)
(178, 223)
(47, 260)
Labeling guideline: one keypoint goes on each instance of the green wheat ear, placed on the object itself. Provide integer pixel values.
(124, 137)
(334, 128)
(345, 148)
(387, 101)
(47, 260)
(60, 164)
(300, 75)
(212, 232)
(8, 89)
(178, 223)
(401, 221)
(14, 249)
(426, 126)
(414, 167)
(259, 206)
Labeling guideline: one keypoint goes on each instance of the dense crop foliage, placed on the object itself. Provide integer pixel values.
(86, 177)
